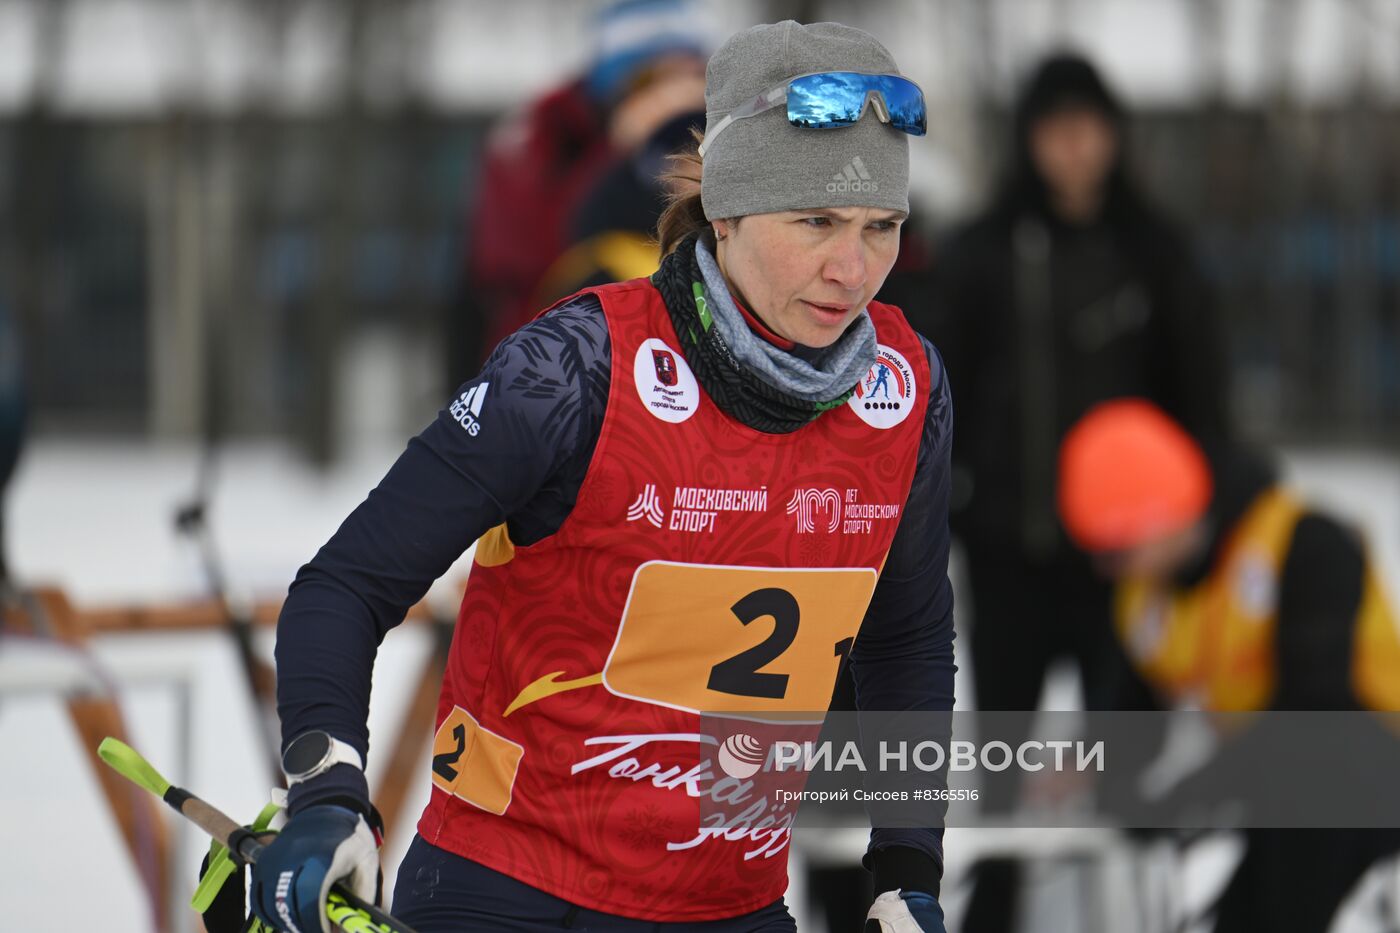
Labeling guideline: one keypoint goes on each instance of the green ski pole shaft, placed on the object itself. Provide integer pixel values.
(344, 909)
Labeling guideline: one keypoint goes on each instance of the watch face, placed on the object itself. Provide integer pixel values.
(306, 752)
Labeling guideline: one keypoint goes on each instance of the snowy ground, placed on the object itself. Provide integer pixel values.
(96, 518)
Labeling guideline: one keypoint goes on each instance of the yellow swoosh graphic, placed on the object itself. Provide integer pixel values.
(547, 686)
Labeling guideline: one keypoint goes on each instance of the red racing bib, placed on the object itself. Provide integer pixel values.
(705, 568)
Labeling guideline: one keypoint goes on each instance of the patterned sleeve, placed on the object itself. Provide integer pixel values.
(512, 447)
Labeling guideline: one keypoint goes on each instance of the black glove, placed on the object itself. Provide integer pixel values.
(224, 909)
(227, 913)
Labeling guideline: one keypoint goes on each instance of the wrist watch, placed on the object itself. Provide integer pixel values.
(316, 752)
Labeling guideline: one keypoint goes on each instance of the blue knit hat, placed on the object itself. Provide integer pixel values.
(630, 33)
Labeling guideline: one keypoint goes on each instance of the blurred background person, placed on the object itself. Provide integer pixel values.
(612, 236)
(543, 161)
(1070, 289)
(1234, 594)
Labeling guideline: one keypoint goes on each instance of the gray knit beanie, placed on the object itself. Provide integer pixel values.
(764, 164)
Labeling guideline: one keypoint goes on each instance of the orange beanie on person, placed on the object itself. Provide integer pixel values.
(1129, 474)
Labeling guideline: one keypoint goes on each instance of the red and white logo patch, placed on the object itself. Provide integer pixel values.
(665, 383)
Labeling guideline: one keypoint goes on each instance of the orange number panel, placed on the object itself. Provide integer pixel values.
(707, 638)
(474, 763)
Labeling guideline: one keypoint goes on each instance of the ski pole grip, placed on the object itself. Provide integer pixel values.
(201, 814)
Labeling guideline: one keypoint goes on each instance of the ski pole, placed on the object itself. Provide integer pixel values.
(344, 909)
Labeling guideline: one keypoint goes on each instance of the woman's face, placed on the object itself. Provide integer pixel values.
(807, 274)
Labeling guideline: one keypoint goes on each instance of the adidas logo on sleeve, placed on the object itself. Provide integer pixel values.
(467, 408)
(854, 177)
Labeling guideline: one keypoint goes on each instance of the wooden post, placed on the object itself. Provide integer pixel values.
(96, 716)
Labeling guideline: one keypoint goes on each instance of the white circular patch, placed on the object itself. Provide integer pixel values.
(665, 383)
(886, 395)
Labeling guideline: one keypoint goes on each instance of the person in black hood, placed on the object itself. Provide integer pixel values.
(1070, 289)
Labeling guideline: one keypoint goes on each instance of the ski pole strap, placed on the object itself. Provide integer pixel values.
(222, 864)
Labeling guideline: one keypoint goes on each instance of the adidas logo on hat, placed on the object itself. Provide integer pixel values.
(854, 177)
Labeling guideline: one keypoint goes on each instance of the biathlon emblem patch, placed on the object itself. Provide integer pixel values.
(885, 397)
(665, 383)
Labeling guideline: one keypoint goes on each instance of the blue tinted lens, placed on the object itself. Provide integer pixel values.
(837, 98)
(827, 100)
(905, 103)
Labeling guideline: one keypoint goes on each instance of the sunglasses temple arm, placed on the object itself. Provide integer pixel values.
(714, 131)
(762, 103)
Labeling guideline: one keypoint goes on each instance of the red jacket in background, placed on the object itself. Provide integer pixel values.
(538, 165)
